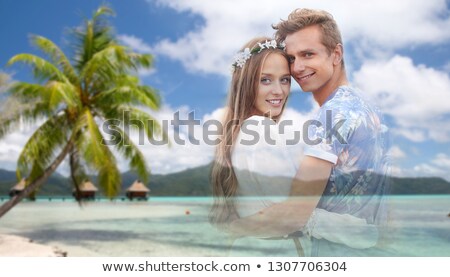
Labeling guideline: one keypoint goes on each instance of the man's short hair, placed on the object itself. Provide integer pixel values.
(302, 18)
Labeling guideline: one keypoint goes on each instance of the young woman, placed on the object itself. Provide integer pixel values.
(251, 147)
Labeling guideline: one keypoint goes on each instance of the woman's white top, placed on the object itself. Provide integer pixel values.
(265, 166)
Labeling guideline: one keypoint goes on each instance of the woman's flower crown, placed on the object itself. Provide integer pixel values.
(241, 57)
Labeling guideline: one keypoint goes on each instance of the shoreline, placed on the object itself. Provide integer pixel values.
(17, 246)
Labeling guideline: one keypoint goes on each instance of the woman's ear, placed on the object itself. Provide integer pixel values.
(338, 54)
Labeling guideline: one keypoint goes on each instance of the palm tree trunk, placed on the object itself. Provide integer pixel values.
(37, 182)
(73, 166)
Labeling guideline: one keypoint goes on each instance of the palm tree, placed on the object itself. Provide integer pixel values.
(72, 98)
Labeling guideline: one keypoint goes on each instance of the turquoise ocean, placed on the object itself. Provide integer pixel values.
(178, 226)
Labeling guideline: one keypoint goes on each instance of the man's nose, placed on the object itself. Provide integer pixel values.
(297, 66)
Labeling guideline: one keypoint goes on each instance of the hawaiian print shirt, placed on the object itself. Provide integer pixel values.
(350, 133)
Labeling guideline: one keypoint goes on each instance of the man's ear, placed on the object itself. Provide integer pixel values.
(338, 54)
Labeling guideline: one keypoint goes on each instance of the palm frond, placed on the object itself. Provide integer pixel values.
(93, 37)
(53, 93)
(103, 10)
(58, 57)
(17, 112)
(109, 179)
(77, 170)
(92, 149)
(42, 69)
(9, 123)
(141, 60)
(36, 171)
(62, 93)
(39, 149)
(128, 94)
(149, 97)
(130, 151)
(113, 62)
(104, 64)
(126, 114)
(97, 154)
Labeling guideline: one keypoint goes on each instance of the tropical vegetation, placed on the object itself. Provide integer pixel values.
(73, 100)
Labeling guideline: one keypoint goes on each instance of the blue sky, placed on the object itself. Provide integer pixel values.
(397, 53)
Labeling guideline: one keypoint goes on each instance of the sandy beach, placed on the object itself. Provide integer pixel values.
(105, 229)
(15, 246)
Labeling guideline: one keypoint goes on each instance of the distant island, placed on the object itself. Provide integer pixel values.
(195, 182)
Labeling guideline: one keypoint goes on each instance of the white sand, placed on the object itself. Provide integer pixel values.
(15, 246)
(112, 229)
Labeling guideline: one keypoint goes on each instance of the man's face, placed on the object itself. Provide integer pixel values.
(311, 64)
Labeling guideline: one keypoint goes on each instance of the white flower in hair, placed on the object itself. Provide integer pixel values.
(242, 57)
(267, 44)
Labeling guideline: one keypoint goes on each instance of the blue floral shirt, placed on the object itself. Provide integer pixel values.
(350, 133)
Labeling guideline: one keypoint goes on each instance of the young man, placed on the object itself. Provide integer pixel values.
(346, 161)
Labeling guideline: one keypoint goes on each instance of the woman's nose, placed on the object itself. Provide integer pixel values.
(278, 89)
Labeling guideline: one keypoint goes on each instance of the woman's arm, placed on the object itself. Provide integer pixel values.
(292, 214)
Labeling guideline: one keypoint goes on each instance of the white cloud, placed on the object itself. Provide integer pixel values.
(396, 152)
(135, 43)
(12, 144)
(164, 159)
(146, 72)
(374, 27)
(413, 95)
(5, 80)
(446, 67)
(138, 45)
(438, 166)
(443, 161)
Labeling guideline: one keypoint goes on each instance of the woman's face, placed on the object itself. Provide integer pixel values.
(274, 86)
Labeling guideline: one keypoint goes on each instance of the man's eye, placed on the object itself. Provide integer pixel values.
(291, 59)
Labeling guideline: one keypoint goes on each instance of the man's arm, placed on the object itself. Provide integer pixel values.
(290, 215)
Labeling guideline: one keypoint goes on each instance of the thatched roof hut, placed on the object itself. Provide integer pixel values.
(17, 188)
(87, 190)
(137, 190)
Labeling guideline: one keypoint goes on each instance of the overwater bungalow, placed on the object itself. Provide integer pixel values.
(17, 188)
(137, 190)
(86, 191)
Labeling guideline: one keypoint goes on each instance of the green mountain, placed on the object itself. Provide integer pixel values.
(195, 182)
(430, 185)
(55, 185)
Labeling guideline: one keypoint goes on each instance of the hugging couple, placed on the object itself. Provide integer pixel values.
(330, 201)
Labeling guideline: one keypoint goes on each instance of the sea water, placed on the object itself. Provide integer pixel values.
(178, 226)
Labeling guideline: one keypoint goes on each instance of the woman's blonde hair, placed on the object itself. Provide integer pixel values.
(240, 106)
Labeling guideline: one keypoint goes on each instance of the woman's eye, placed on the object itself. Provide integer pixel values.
(286, 80)
(265, 80)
